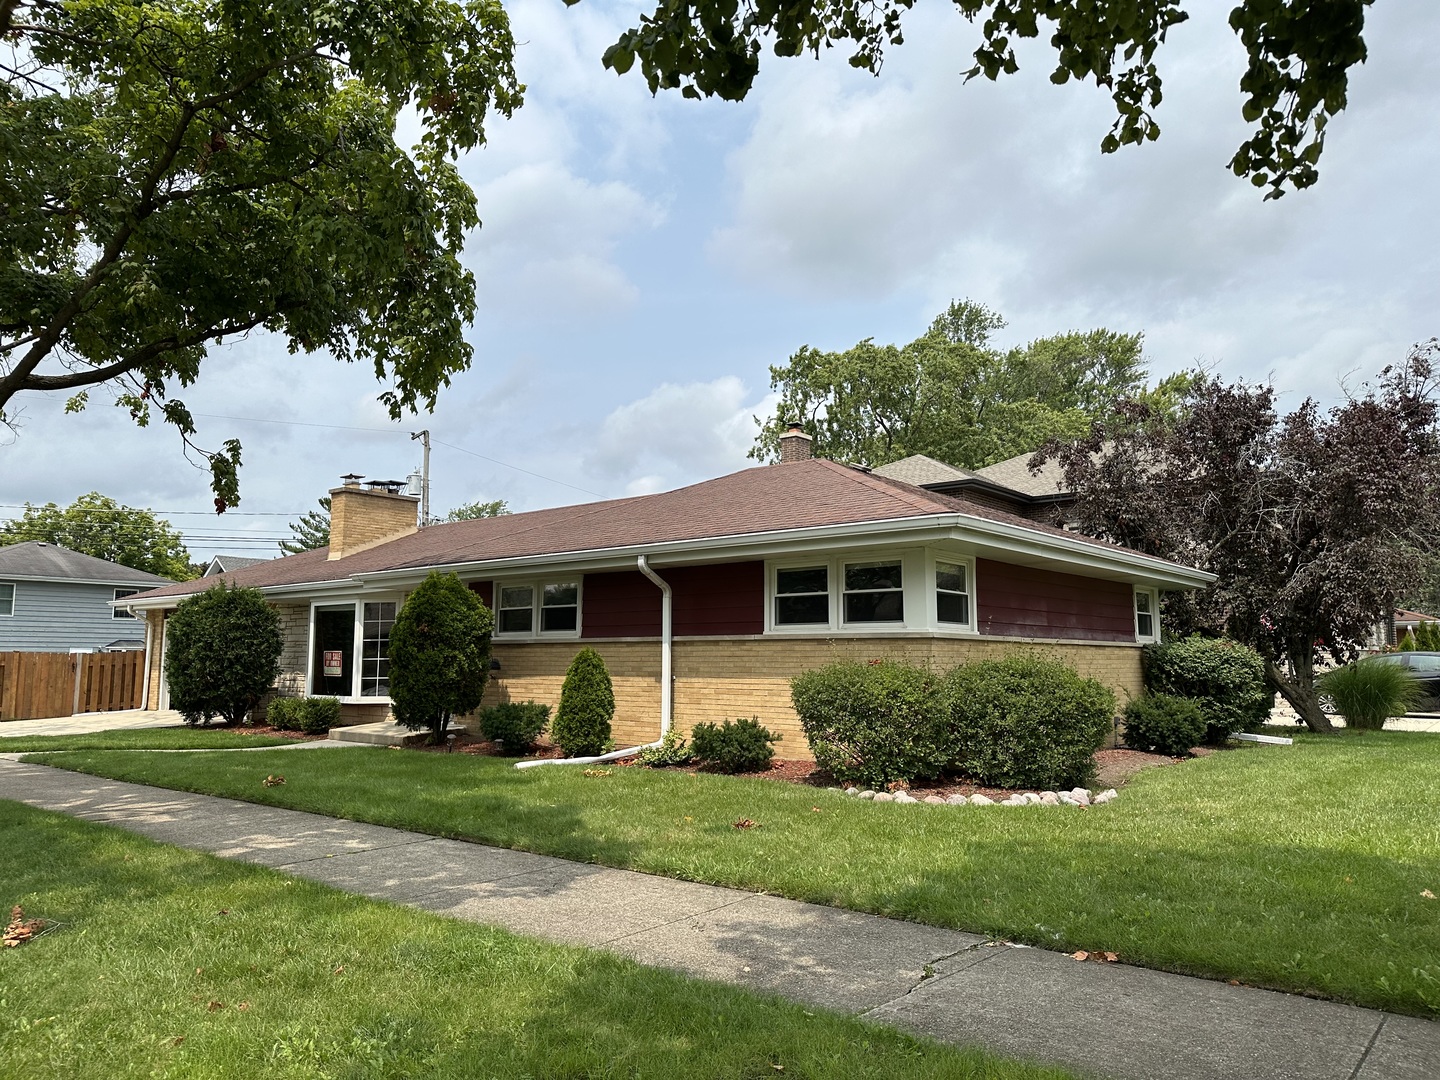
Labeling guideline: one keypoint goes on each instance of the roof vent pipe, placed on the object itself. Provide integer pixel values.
(795, 445)
(666, 682)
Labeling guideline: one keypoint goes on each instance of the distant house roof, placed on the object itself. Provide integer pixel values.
(1403, 616)
(39, 560)
(767, 505)
(1015, 473)
(223, 564)
(922, 471)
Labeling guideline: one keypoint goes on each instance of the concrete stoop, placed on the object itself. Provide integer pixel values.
(384, 733)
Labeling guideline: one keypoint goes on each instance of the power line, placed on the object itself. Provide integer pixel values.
(392, 431)
(145, 510)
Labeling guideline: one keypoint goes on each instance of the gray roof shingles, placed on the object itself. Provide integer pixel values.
(39, 559)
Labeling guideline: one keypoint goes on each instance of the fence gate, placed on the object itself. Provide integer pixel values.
(35, 685)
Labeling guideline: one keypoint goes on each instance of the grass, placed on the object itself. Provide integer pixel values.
(1299, 868)
(139, 739)
(168, 963)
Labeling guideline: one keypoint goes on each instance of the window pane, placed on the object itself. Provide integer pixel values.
(950, 577)
(560, 595)
(875, 607)
(1142, 602)
(953, 608)
(378, 620)
(809, 580)
(517, 596)
(7, 598)
(558, 618)
(1145, 624)
(1422, 662)
(872, 576)
(120, 594)
(332, 667)
(515, 620)
(802, 610)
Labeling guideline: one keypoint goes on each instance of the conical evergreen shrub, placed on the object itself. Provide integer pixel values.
(581, 726)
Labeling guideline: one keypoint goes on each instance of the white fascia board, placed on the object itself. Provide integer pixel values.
(888, 533)
(298, 591)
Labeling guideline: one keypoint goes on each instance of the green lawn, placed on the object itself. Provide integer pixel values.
(167, 963)
(138, 739)
(1299, 868)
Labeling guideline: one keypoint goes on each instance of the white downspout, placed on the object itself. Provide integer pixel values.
(666, 690)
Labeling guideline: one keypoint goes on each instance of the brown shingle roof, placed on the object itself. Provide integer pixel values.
(794, 495)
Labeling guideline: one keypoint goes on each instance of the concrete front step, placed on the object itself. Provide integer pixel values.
(384, 733)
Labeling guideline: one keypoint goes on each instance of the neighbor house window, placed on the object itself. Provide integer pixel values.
(7, 599)
(378, 620)
(952, 593)
(559, 607)
(1145, 614)
(802, 596)
(874, 593)
(120, 613)
(515, 612)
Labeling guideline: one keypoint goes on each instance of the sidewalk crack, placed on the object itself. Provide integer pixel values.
(1368, 1047)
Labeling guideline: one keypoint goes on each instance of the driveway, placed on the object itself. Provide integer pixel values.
(88, 722)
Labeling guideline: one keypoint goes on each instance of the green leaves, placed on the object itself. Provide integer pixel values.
(212, 169)
(97, 525)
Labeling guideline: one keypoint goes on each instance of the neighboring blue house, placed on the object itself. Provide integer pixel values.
(53, 599)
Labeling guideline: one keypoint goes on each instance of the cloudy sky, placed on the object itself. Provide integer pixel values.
(644, 260)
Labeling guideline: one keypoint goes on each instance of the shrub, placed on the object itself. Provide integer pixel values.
(872, 723)
(1369, 692)
(439, 655)
(1408, 643)
(1026, 721)
(318, 714)
(741, 746)
(1164, 724)
(1225, 678)
(515, 725)
(1427, 636)
(222, 654)
(587, 705)
(283, 713)
(671, 751)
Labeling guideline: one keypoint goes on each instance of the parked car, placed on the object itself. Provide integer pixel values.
(1425, 666)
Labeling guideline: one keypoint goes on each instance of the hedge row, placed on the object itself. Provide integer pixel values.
(1023, 721)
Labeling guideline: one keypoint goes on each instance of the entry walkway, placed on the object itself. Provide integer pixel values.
(84, 723)
(1103, 1019)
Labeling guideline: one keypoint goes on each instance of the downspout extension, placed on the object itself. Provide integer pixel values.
(666, 690)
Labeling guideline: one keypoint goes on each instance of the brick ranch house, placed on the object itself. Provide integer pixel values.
(733, 586)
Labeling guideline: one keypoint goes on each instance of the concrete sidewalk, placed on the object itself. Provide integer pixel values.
(1103, 1019)
(84, 723)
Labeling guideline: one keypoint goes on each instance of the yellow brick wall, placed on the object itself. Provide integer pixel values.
(724, 678)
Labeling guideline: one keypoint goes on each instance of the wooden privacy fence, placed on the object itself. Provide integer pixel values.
(38, 684)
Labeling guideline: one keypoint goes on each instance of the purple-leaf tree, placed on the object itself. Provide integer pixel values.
(1315, 521)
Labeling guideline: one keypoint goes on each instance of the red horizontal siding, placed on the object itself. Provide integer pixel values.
(1022, 601)
(710, 601)
(486, 591)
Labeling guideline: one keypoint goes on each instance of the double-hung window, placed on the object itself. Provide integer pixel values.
(515, 610)
(802, 596)
(952, 594)
(7, 599)
(559, 607)
(874, 592)
(1145, 614)
(120, 613)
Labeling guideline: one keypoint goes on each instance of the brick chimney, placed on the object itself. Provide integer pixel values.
(794, 444)
(362, 516)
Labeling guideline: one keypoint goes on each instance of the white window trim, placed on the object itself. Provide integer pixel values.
(920, 605)
(115, 612)
(356, 646)
(14, 595)
(537, 597)
(1154, 595)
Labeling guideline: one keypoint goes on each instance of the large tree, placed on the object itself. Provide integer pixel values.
(950, 393)
(1315, 521)
(97, 525)
(480, 508)
(178, 173)
(1300, 56)
(310, 532)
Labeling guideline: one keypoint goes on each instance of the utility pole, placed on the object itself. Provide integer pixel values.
(424, 437)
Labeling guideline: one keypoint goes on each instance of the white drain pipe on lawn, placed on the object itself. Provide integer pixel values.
(666, 688)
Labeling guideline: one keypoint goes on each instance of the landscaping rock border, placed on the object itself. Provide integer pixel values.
(1074, 797)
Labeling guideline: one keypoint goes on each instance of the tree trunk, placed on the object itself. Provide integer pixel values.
(1300, 691)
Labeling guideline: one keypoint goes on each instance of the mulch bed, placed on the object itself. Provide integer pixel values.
(266, 729)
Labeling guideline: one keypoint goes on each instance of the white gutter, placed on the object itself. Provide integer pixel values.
(667, 704)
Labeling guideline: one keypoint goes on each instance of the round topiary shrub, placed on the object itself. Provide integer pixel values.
(1163, 724)
(283, 713)
(741, 746)
(587, 705)
(318, 714)
(222, 654)
(1026, 721)
(1226, 679)
(515, 725)
(439, 655)
(872, 723)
